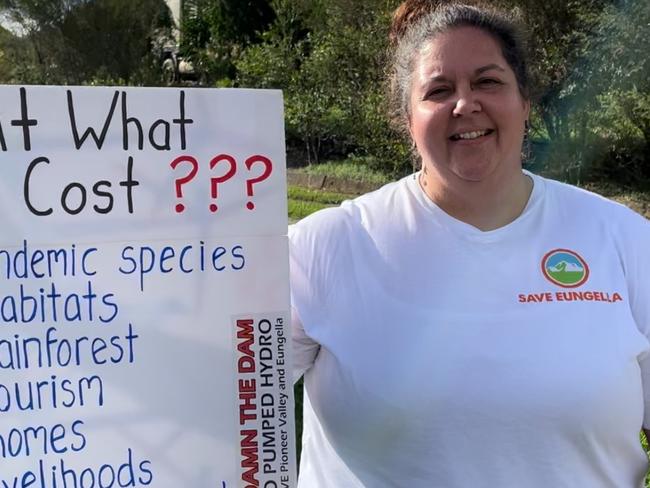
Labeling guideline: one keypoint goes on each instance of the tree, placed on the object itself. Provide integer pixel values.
(592, 69)
(216, 31)
(616, 77)
(329, 58)
(81, 41)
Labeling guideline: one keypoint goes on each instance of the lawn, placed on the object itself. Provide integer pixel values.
(303, 201)
(348, 170)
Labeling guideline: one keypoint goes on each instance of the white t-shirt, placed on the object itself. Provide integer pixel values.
(439, 355)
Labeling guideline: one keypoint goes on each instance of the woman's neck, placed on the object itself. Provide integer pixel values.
(486, 205)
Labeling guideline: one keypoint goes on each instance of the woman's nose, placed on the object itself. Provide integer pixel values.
(466, 103)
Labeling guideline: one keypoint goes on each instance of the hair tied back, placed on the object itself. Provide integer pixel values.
(408, 14)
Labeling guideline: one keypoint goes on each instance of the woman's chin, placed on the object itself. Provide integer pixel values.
(473, 171)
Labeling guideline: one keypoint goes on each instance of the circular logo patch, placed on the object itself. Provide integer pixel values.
(565, 268)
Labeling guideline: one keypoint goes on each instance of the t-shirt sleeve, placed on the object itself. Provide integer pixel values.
(636, 264)
(314, 244)
(305, 349)
(302, 278)
(306, 297)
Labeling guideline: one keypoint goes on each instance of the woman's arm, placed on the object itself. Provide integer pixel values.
(305, 349)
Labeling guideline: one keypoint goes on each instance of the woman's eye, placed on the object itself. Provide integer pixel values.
(436, 92)
(488, 81)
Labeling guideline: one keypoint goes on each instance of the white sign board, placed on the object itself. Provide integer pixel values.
(143, 289)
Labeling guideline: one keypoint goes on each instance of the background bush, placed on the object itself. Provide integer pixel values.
(591, 120)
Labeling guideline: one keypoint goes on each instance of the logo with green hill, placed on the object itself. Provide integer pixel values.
(565, 268)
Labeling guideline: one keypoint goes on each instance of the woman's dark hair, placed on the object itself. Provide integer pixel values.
(416, 22)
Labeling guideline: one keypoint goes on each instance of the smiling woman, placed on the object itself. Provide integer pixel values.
(467, 119)
(463, 98)
(472, 324)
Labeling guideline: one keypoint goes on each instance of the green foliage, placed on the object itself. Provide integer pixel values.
(590, 64)
(329, 60)
(597, 113)
(351, 169)
(621, 136)
(622, 88)
(646, 448)
(330, 64)
(214, 32)
(76, 42)
(303, 202)
(7, 68)
(317, 196)
(299, 209)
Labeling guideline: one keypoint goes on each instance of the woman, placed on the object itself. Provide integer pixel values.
(473, 325)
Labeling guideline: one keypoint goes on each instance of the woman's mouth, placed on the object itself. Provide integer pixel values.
(469, 136)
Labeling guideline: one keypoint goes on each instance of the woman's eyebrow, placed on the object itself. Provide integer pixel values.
(438, 78)
(435, 79)
(478, 71)
(488, 67)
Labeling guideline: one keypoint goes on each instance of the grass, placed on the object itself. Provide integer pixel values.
(299, 209)
(644, 443)
(347, 170)
(317, 196)
(356, 169)
(303, 201)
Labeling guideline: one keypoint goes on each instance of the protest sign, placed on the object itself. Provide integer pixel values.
(143, 289)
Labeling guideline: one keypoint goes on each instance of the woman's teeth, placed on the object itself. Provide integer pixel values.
(470, 135)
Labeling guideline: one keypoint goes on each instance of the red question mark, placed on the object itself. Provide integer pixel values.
(220, 179)
(268, 167)
(181, 181)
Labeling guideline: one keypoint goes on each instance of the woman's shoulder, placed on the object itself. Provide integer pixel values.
(325, 246)
(354, 215)
(586, 203)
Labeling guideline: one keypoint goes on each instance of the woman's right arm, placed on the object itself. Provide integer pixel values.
(305, 349)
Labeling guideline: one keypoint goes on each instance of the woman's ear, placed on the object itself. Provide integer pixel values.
(527, 110)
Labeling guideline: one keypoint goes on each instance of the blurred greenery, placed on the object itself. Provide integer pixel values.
(352, 169)
(299, 209)
(82, 42)
(644, 443)
(323, 197)
(589, 59)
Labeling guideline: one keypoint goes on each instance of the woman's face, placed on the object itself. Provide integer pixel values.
(467, 115)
